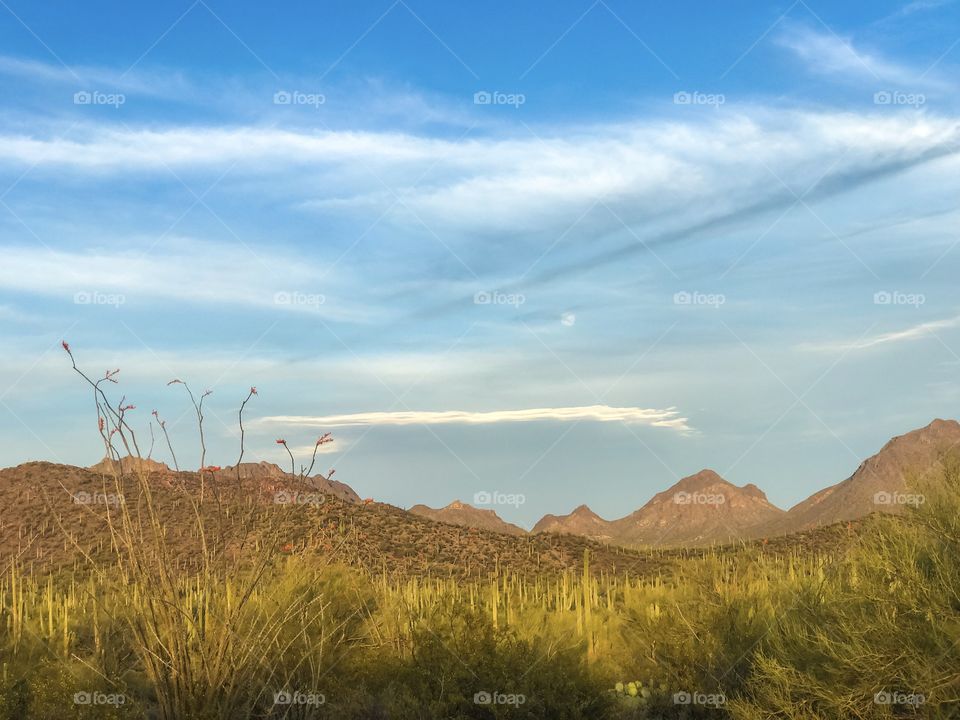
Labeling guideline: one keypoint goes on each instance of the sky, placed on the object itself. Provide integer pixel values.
(566, 252)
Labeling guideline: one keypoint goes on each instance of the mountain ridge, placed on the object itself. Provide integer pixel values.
(699, 509)
(711, 510)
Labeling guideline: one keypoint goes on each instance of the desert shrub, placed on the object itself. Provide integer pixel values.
(460, 666)
(696, 639)
(56, 689)
(879, 635)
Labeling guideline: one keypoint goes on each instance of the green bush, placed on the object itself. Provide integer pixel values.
(459, 666)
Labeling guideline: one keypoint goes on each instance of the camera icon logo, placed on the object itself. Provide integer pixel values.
(482, 698)
(282, 97)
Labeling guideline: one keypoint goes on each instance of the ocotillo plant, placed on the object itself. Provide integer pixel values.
(200, 656)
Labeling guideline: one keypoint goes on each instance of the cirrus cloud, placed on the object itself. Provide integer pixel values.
(669, 417)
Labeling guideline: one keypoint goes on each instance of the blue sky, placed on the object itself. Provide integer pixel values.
(573, 251)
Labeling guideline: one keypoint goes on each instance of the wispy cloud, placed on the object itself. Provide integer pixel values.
(916, 6)
(179, 269)
(642, 172)
(914, 332)
(668, 418)
(826, 53)
(165, 84)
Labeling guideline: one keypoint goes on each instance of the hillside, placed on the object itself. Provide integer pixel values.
(42, 503)
(699, 509)
(268, 474)
(274, 476)
(885, 482)
(582, 521)
(460, 513)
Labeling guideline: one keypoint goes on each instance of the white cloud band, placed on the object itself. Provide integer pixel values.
(668, 417)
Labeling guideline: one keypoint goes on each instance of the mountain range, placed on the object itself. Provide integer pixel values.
(699, 510)
(704, 508)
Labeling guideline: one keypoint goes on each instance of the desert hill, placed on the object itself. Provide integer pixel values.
(699, 509)
(582, 521)
(888, 481)
(270, 475)
(42, 504)
(460, 513)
